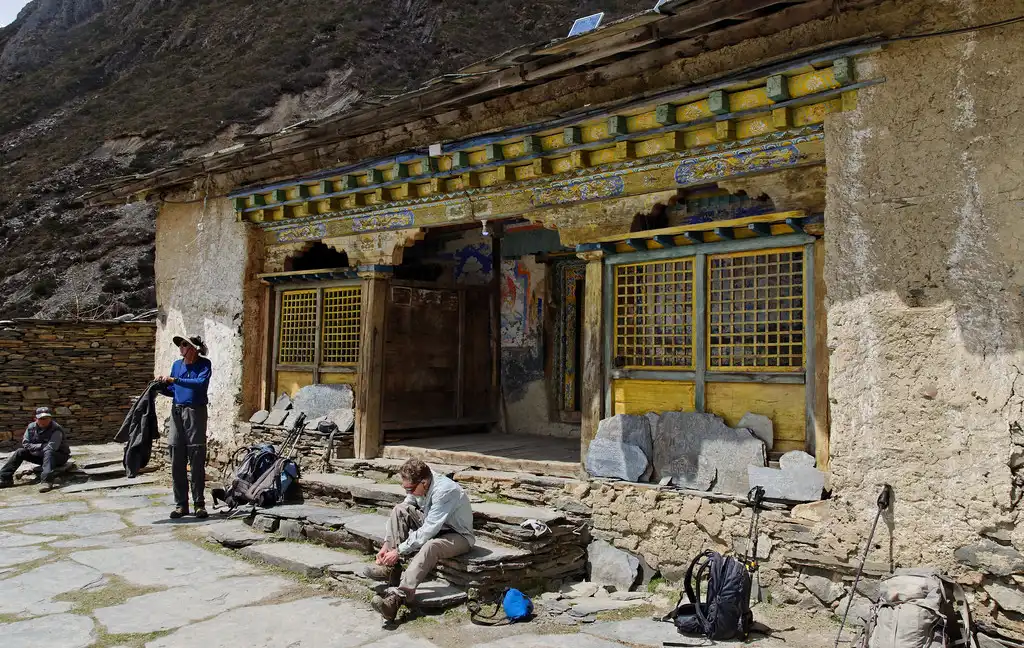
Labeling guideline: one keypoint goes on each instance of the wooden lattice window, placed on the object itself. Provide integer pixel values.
(756, 311)
(341, 326)
(654, 314)
(297, 341)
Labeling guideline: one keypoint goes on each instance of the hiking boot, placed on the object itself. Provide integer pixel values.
(179, 512)
(391, 575)
(6, 483)
(201, 512)
(388, 605)
(45, 487)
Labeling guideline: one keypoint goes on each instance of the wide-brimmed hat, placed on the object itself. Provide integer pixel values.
(43, 412)
(195, 342)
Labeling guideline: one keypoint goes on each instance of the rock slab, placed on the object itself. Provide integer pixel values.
(616, 460)
(699, 451)
(991, 557)
(608, 565)
(794, 484)
(305, 559)
(760, 426)
(320, 400)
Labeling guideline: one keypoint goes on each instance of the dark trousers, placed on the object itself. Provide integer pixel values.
(187, 443)
(48, 459)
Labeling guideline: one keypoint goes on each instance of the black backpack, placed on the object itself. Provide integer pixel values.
(725, 612)
(262, 478)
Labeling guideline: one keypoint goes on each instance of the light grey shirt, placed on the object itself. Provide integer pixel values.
(445, 508)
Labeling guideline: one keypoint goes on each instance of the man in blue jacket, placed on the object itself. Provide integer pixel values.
(45, 443)
(188, 385)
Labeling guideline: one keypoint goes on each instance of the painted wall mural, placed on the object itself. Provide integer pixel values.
(578, 191)
(515, 303)
(388, 221)
(308, 232)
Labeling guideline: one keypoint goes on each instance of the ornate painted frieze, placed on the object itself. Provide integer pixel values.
(565, 193)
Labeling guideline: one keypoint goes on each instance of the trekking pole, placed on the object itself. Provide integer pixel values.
(884, 500)
(755, 496)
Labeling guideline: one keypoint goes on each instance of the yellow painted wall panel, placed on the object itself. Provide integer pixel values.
(783, 404)
(339, 378)
(642, 396)
(292, 381)
(747, 99)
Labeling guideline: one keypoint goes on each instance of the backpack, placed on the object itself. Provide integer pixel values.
(919, 610)
(725, 611)
(516, 606)
(262, 478)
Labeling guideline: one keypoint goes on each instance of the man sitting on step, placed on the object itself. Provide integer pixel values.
(434, 522)
(45, 443)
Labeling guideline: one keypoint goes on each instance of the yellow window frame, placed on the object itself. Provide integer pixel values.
(340, 326)
(296, 334)
(653, 311)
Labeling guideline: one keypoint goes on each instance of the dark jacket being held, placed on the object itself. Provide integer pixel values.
(53, 438)
(139, 429)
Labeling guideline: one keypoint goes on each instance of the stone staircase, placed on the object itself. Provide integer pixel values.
(340, 527)
(91, 467)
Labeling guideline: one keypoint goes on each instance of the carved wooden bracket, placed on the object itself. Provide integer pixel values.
(377, 248)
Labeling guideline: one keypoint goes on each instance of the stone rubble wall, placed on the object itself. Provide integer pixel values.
(88, 372)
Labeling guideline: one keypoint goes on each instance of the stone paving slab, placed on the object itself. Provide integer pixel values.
(180, 606)
(89, 542)
(78, 525)
(56, 631)
(301, 558)
(439, 594)
(401, 641)
(641, 632)
(14, 556)
(40, 511)
(167, 564)
(107, 484)
(307, 623)
(486, 551)
(8, 540)
(97, 449)
(510, 514)
(551, 641)
(325, 515)
(122, 503)
(234, 534)
(589, 606)
(358, 487)
(100, 461)
(102, 471)
(367, 525)
(159, 516)
(139, 491)
(32, 592)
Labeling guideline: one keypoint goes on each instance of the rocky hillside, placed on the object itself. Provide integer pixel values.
(90, 89)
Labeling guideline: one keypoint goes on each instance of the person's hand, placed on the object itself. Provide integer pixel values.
(380, 554)
(390, 558)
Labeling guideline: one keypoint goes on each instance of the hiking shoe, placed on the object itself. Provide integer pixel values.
(388, 605)
(201, 513)
(6, 483)
(391, 575)
(179, 512)
(45, 487)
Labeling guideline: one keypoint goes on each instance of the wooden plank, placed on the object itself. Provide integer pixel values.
(783, 404)
(592, 385)
(822, 424)
(778, 217)
(642, 396)
(369, 389)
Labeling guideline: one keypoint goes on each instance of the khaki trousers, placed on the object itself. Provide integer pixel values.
(405, 519)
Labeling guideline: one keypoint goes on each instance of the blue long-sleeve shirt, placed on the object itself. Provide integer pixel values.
(191, 382)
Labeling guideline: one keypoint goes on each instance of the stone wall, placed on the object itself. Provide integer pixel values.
(87, 372)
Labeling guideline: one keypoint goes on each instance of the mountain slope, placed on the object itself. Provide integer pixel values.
(94, 88)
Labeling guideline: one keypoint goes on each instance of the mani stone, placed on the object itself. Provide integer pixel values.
(761, 426)
(276, 417)
(796, 459)
(991, 557)
(795, 484)
(259, 417)
(319, 400)
(608, 565)
(699, 451)
(613, 459)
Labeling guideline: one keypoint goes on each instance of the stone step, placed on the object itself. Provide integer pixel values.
(301, 558)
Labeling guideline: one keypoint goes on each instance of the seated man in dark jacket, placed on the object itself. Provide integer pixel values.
(46, 444)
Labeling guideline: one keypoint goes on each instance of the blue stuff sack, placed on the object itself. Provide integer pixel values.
(517, 606)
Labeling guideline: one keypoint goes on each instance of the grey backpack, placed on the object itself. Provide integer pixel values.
(919, 610)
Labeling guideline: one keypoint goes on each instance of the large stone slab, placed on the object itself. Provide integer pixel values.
(439, 595)
(276, 417)
(320, 400)
(587, 607)
(794, 484)
(991, 557)
(308, 623)
(301, 558)
(139, 491)
(164, 564)
(122, 503)
(235, 534)
(344, 418)
(606, 458)
(180, 606)
(56, 631)
(78, 525)
(608, 565)
(107, 484)
(695, 448)
(14, 556)
(638, 632)
(8, 540)
(89, 542)
(40, 511)
(32, 592)
(510, 514)
(629, 429)
(367, 525)
(761, 426)
(259, 417)
(551, 641)
(159, 516)
(488, 552)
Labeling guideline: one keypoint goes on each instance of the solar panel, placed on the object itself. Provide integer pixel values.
(585, 24)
